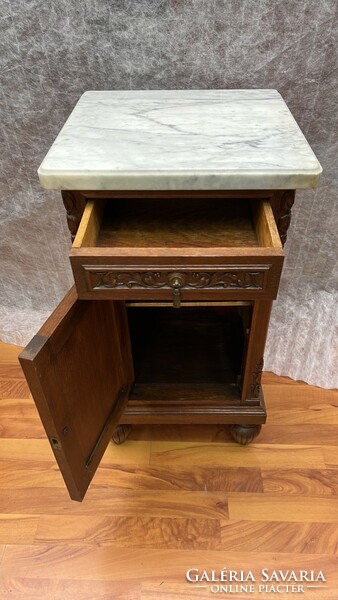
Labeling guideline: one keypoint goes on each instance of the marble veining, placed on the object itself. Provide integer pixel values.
(180, 139)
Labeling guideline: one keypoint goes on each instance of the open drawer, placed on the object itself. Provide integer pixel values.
(177, 249)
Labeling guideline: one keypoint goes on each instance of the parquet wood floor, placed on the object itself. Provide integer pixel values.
(170, 499)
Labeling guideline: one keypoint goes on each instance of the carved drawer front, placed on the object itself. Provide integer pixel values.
(179, 251)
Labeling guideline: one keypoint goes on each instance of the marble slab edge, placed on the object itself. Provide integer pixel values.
(178, 181)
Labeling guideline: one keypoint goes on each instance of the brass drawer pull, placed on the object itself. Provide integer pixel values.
(176, 280)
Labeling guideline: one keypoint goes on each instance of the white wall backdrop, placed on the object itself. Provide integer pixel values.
(53, 51)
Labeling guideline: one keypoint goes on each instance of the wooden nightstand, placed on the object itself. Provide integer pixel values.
(178, 203)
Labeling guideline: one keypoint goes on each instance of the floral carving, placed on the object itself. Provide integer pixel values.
(284, 215)
(74, 206)
(164, 279)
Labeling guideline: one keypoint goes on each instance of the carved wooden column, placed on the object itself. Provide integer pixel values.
(282, 203)
(251, 389)
(74, 203)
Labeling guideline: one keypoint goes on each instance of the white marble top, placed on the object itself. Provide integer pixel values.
(180, 139)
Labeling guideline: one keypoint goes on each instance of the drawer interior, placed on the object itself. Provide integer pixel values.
(178, 223)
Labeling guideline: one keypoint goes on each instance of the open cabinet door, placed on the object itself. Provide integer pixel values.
(79, 373)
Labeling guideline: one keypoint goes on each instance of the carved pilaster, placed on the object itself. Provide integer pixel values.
(256, 379)
(284, 213)
(74, 204)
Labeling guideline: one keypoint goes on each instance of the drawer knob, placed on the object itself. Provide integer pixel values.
(176, 280)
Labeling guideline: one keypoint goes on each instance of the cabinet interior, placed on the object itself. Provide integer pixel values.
(195, 347)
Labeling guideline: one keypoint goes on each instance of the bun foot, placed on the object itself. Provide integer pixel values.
(244, 434)
(121, 434)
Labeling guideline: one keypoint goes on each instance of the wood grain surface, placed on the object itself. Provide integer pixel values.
(177, 223)
(171, 498)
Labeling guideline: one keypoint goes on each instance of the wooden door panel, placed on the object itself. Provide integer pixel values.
(80, 383)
